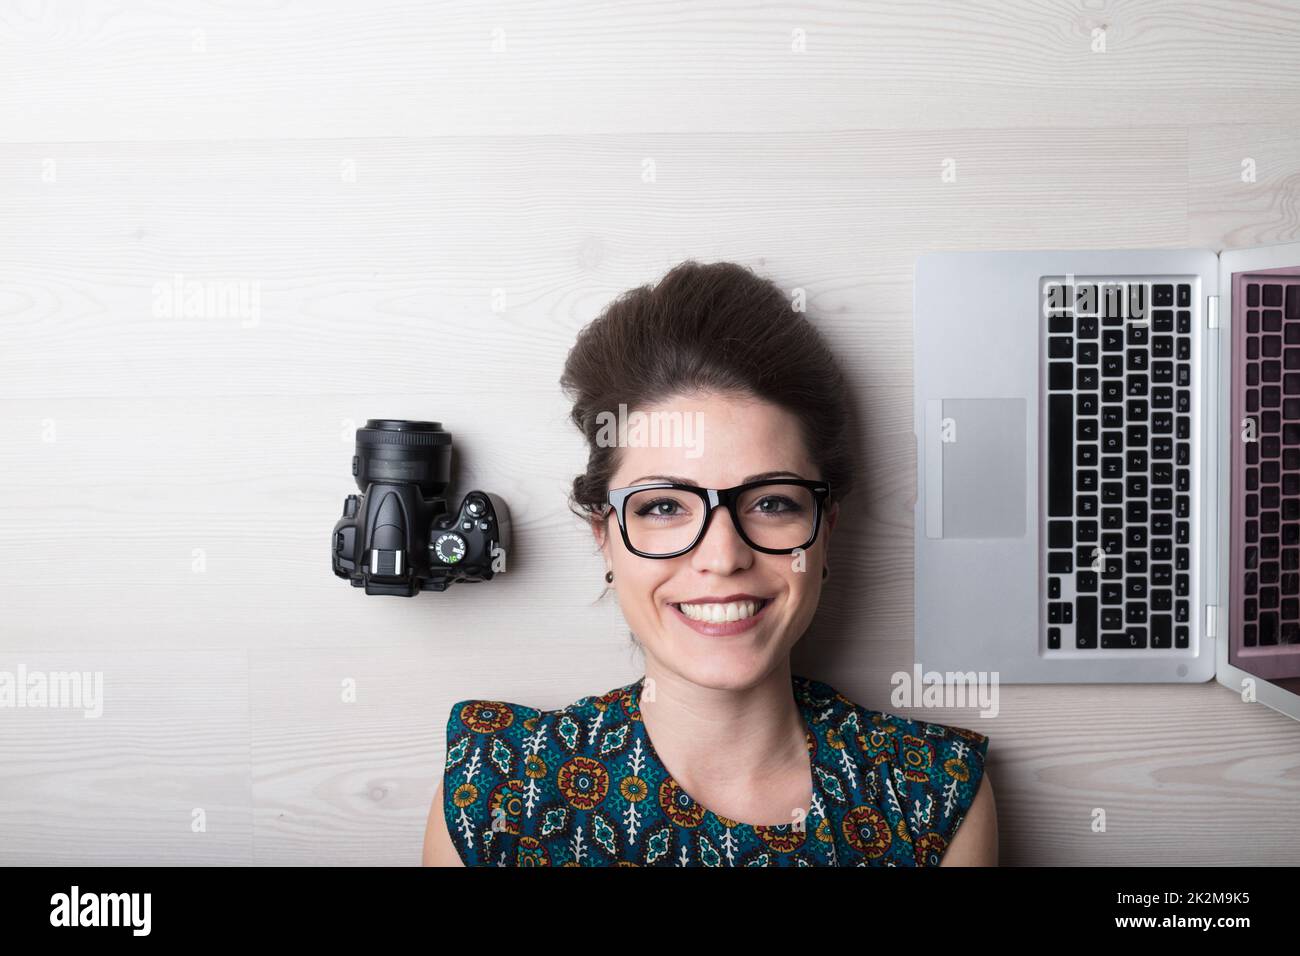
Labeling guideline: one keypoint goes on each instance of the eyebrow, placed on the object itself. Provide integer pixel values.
(677, 480)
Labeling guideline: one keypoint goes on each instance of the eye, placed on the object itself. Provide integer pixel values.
(659, 508)
(777, 504)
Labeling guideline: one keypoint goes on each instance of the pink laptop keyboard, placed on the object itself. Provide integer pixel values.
(1265, 633)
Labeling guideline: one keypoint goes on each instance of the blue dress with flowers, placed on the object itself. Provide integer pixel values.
(582, 786)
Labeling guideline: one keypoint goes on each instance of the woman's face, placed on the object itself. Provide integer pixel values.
(739, 439)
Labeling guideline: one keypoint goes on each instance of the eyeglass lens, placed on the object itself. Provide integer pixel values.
(666, 520)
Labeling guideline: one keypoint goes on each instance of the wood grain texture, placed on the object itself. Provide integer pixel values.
(424, 222)
(194, 70)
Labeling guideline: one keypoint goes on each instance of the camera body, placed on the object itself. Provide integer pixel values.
(399, 535)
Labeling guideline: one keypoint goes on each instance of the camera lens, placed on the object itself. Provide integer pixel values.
(397, 450)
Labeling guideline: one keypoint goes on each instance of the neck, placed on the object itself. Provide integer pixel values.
(718, 739)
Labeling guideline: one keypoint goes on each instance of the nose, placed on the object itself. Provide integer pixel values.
(722, 549)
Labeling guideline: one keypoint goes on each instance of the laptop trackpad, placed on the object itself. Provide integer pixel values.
(983, 464)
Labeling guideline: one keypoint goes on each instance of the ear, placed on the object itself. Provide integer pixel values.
(598, 526)
(832, 513)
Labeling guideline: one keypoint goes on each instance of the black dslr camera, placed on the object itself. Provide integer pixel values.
(398, 536)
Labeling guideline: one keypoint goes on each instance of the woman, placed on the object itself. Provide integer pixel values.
(716, 545)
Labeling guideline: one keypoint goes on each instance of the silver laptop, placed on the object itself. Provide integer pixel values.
(1108, 466)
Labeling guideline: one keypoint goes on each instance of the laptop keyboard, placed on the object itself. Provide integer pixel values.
(1266, 504)
(1118, 457)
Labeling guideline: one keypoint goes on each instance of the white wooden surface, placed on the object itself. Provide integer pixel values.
(379, 172)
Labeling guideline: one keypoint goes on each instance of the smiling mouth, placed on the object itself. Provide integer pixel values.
(723, 612)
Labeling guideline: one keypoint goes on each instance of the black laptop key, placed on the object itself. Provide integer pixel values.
(1060, 347)
(1060, 469)
(1268, 628)
(1085, 627)
(1133, 637)
(1137, 301)
(1162, 631)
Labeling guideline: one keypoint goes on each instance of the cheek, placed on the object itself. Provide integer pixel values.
(637, 580)
(803, 588)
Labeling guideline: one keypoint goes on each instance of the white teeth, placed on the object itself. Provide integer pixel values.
(721, 613)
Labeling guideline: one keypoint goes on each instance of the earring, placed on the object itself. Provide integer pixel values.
(609, 577)
(826, 572)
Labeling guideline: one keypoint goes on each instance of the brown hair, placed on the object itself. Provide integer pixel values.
(714, 327)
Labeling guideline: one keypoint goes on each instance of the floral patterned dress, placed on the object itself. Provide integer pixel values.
(582, 786)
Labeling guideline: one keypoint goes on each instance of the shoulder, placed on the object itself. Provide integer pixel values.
(928, 772)
(936, 770)
(483, 770)
(499, 770)
(916, 742)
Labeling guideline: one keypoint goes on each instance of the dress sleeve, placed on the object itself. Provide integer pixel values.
(939, 769)
(481, 781)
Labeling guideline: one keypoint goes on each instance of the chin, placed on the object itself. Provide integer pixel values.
(735, 668)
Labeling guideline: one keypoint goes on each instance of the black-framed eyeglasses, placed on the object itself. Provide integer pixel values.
(663, 519)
